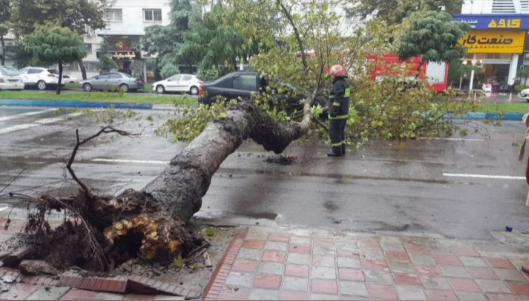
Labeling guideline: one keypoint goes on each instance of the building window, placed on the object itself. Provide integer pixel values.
(503, 7)
(114, 15)
(152, 15)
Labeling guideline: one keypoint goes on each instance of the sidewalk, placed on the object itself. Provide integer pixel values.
(300, 264)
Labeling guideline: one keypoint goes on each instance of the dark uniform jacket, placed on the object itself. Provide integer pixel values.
(339, 104)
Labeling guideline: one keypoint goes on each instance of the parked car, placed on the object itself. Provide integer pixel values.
(111, 81)
(232, 85)
(525, 94)
(39, 77)
(66, 79)
(243, 84)
(184, 83)
(10, 79)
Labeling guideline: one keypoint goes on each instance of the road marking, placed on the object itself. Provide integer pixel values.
(16, 116)
(454, 139)
(494, 177)
(154, 162)
(37, 123)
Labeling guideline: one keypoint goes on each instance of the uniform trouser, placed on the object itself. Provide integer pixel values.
(337, 133)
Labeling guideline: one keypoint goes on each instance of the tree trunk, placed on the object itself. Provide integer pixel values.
(3, 45)
(182, 185)
(83, 68)
(60, 78)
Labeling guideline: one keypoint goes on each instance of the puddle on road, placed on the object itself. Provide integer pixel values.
(330, 206)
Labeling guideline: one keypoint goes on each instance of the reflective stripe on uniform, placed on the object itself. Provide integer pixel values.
(339, 117)
(338, 144)
(337, 104)
(348, 92)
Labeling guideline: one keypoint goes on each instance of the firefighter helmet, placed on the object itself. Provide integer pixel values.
(338, 71)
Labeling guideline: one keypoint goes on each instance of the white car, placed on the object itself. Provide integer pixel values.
(39, 77)
(69, 79)
(185, 83)
(66, 78)
(10, 79)
(525, 94)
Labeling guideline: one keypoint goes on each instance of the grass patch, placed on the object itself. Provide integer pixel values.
(504, 108)
(100, 97)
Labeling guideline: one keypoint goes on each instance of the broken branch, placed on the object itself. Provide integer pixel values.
(79, 143)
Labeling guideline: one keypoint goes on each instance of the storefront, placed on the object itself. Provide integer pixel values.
(125, 51)
(495, 45)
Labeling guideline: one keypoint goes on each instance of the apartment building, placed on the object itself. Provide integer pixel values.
(126, 24)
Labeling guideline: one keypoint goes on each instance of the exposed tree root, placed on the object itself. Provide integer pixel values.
(114, 231)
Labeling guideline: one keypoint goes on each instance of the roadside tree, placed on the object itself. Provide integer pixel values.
(80, 16)
(435, 36)
(5, 15)
(106, 63)
(166, 41)
(55, 45)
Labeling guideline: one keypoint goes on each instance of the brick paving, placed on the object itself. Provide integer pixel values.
(295, 264)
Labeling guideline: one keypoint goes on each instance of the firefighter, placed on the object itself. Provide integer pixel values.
(338, 109)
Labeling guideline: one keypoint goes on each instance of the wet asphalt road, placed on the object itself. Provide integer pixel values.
(447, 187)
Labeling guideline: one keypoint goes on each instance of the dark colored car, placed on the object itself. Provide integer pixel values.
(244, 84)
(232, 85)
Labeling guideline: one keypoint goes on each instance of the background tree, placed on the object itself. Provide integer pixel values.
(80, 16)
(165, 42)
(54, 44)
(524, 74)
(395, 11)
(5, 16)
(213, 44)
(106, 63)
(435, 35)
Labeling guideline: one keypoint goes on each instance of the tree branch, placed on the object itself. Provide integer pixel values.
(301, 45)
(79, 143)
(12, 180)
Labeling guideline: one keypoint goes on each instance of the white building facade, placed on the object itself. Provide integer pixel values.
(126, 23)
(495, 7)
(493, 21)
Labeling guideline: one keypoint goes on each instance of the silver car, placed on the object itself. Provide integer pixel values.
(112, 81)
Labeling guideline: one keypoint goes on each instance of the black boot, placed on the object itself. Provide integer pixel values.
(336, 152)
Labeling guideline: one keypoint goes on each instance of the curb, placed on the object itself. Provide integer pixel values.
(161, 107)
(73, 104)
(219, 276)
(492, 116)
(117, 285)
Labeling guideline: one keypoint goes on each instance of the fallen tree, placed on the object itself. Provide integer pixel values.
(151, 223)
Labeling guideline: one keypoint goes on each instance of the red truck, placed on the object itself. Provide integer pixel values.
(390, 65)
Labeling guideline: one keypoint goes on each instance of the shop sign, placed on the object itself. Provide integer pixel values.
(509, 42)
(482, 22)
(121, 55)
